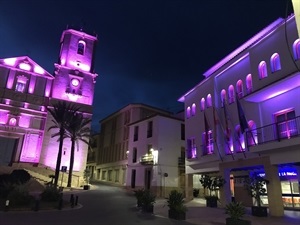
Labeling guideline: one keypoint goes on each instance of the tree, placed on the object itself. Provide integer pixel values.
(77, 130)
(62, 113)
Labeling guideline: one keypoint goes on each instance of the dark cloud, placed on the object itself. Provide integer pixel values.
(149, 51)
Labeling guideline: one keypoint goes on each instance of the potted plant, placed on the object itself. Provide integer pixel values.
(211, 184)
(196, 192)
(177, 209)
(147, 201)
(138, 195)
(256, 187)
(236, 210)
(86, 177)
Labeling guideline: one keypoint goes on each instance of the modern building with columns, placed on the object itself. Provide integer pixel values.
(26, 90)
(243, 119)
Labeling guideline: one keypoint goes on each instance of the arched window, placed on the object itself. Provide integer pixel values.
(81, 47)
(239, 88)
(249, 83)
(209, 101)
(251, 133)
(275, 62)
(193, 109)
(188, 112)
(231, 94)
(240, 141)
(202, 104)
(223, 97)
(12, 122)
(262, 70)
(296, 49)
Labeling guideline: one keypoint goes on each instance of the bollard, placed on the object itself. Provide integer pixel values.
(72, 200)
(60, 202)
(6, 205)
(76, 200)
(37, 205)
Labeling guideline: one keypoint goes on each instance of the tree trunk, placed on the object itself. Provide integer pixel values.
(58, 160)
(71, 163)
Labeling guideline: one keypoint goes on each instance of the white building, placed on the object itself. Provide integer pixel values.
(109, 161)
(263, 76)
(156, 154)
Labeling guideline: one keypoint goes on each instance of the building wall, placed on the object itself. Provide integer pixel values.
(267, 96)
(166, 141)
(26, 90)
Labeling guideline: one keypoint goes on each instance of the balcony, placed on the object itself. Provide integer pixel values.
(147, 159)
(260, 138)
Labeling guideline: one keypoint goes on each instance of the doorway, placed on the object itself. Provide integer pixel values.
(8, 150)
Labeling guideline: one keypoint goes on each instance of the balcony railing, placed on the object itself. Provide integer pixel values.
(147, 159)
(274, 132)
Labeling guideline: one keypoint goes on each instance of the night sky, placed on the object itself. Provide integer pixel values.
(149, 51)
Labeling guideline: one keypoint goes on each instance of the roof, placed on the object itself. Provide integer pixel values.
(24, 63)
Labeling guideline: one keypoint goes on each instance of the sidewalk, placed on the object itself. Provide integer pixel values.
(198, 213)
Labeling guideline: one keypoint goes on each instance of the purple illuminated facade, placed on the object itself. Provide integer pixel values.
(248, 118)
(26, 89)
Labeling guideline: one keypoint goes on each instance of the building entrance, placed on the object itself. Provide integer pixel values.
(7, 150)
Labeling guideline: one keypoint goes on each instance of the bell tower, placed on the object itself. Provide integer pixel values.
(74, 73)
(74, 81)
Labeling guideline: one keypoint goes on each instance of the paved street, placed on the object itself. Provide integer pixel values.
(101, 205)
(113, 206)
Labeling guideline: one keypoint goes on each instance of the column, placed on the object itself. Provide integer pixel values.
(189, 187)
(225, 192)
(274, 191)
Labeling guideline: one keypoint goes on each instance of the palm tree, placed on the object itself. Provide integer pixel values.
(77, 130)
(62, 113)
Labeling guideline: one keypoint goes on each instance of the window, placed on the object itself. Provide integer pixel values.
(239, 142)
(296, 49)
(275, 62)
(208, 145)
(191, 148)
(133, 173)
(136, 133)
(12, 122)
(209, 101)
(182, 131)
(286, 125)
(21, 83)
(134, 155)
(228, 142)
(262, 70)
(117, 172)
(202, 104)
(81, 47)
(149, 129)
(109, 174)
(193, 109)
(239, 89)
(252, 133)
(223, 97)
(103, 175)
(231, 94)
(188, 112)
(249, 83)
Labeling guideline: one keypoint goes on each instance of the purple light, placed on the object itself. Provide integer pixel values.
(247, 44)
(24, 66)
(10, 61)
(194, 153)
(38, 70)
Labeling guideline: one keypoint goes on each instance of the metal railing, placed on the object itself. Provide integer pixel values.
(274, 132)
